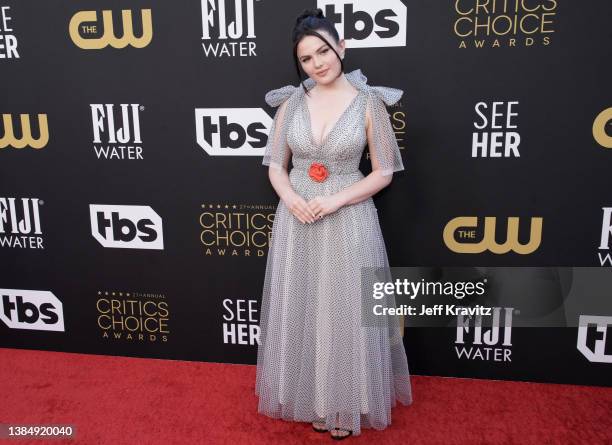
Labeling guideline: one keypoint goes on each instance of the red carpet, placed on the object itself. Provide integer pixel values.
(119, 400)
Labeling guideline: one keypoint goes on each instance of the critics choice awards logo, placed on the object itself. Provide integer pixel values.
(133, 316)
(397, 117)
(510, 23)
(398, 122)
(236, 229)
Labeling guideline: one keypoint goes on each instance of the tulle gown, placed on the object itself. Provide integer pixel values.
(316, 360)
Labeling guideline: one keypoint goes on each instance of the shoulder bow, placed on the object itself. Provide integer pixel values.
(276, 97)
(388, 95)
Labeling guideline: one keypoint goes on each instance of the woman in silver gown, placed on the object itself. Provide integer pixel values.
(317, 361)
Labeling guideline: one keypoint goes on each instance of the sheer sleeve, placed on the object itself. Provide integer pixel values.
(383, 146)
(277, 151)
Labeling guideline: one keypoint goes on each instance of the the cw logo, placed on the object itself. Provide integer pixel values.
(464, 226)
(599, 128)
(108, 37)
(26, 140)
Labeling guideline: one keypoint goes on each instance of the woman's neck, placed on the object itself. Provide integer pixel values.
(339, 84)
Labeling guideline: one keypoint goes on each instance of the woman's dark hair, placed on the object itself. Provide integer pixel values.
(307, 23)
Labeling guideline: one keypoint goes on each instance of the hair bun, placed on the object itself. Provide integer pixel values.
(317, 13)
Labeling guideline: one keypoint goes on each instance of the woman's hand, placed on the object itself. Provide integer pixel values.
(299, 208)
(325, 205)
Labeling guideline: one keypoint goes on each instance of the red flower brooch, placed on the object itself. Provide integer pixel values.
(318, 172)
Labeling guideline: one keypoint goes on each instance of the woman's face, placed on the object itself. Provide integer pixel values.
(318, 60)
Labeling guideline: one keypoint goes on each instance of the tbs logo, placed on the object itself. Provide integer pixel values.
(232, 131)
(125, 226)
(31, 309)
(365, 23)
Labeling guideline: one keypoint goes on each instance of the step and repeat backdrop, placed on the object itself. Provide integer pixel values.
(135, 214)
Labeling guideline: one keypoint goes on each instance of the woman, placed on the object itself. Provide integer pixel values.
(317, 361)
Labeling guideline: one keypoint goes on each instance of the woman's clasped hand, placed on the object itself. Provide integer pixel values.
(310, 211)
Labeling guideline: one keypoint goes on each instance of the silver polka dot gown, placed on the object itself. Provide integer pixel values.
(316, 359)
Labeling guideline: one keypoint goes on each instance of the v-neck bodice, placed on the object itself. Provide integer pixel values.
(337, 122)
(341, 149)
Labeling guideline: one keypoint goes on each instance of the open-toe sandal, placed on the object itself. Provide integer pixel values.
(318, 429)
(344, 436)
